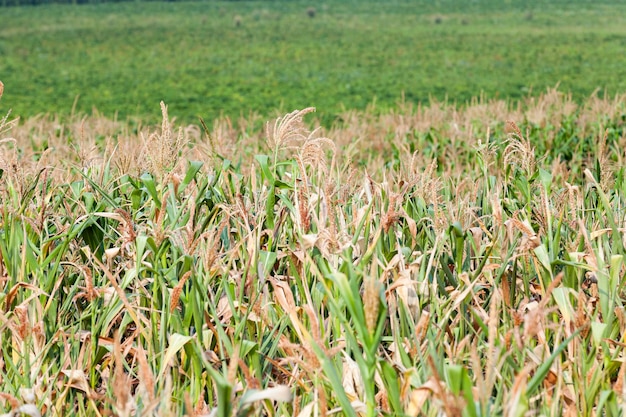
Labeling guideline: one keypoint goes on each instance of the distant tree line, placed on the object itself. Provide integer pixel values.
(39, 2)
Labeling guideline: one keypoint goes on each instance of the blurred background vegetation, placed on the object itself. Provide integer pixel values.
(234, 58)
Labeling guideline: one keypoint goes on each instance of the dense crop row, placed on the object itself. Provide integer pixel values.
(421, 260)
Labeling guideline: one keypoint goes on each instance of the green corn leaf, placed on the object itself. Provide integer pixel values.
(148, 183)
(543, 370)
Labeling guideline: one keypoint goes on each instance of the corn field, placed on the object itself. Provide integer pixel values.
(441, 260)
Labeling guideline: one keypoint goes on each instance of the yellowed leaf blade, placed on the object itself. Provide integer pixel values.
(176, 343)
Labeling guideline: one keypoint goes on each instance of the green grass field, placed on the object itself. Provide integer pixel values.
(123, 58)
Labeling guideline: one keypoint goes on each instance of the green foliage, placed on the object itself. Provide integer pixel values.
(231, 58)
(488, 282)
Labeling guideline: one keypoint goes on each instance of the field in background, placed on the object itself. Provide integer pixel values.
(420, 260)
(211, 58)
